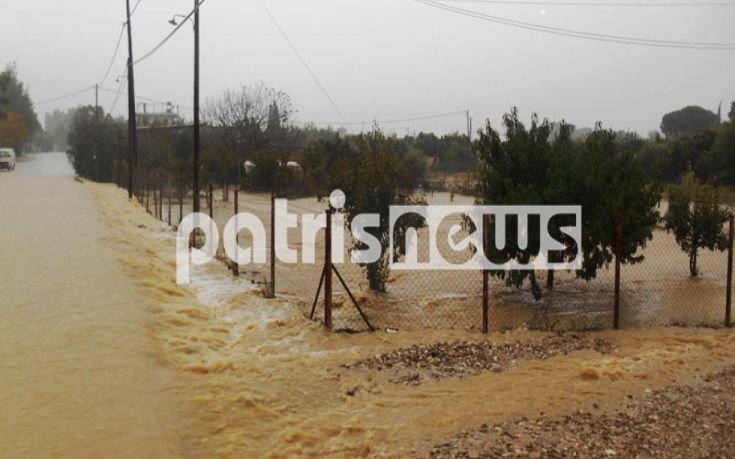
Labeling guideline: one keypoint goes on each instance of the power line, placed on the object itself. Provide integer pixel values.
(147, 99)
(114, 55)
(135, 7)
(54, 99)
(595, 4)
(167, 37)
(579, 34)
(119, 90)
(303, 61)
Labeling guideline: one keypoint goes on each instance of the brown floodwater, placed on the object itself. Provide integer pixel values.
(102, 354)
(81, 373)
(268, 383)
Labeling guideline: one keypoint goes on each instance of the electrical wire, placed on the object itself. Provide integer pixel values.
(119, 90)
(114, 55)
(54, 99)
(147, 99)
(579, 34)
(167, 37)
(303, 61)
(135, 7)
(595, 4)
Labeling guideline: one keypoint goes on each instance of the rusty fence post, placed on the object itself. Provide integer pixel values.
(485, 277)
(328, 271)
(147, 192)
(728, 294)
(236, 262)
(272, 290)
(618, 243)
(160, 195)
(181, 203)
(155, 195)
(170, 200)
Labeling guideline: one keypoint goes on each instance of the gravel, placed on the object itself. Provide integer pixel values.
(696, 421)
(414, 365)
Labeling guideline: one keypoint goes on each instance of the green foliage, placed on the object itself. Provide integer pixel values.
(688, 120)
(14, 98)
(96, 143)
(601, 174)
(378, 177)
(524, 167)
(696, 218)
(610, 180)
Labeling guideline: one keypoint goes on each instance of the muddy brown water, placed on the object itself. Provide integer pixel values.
(80, 372)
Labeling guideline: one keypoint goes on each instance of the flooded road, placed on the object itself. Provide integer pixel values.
(80, 373)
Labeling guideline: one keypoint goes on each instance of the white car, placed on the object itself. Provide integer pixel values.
(7, 159)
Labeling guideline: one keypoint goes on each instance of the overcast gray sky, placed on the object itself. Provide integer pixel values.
(389, 59)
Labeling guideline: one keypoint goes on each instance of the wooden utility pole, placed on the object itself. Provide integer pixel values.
(197, 143)
(132, 122)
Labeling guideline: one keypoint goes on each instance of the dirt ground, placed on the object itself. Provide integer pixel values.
(266, 382)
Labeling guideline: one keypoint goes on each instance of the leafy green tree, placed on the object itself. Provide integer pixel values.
(524, 167)
(696, 218)
(96, 143)
(688, 120)
(375, 181)
(731, 114)
(610, 180)
(14, 98)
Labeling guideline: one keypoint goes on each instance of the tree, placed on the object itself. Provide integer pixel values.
(608, 180)
(696, 218)
(731, 114)
(13, 131)
(525, 167)
(688, 120)
(14, 98)
(58, 124)
(373, 182)
(96, 143)
(250, 121)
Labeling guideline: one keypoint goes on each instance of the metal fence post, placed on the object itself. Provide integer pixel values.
(170, 201)
(272, 292)
(728, 295)
(328, 271)
(618, 243)
(236, 263)
(181, 203)
(485, 278)
(160, 195)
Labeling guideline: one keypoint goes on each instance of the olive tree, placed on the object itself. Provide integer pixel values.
(696, 218)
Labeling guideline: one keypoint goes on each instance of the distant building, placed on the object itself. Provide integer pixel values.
(156, 115)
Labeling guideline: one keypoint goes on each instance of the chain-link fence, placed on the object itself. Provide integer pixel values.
(659, 290)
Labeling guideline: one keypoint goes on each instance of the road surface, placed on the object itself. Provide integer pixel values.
(80, 374)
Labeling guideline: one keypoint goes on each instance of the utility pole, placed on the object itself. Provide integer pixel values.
(132, 124)
(96, 102)
(469, 132)
(196, 106)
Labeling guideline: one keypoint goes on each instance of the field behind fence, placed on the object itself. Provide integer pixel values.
(657, 291)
